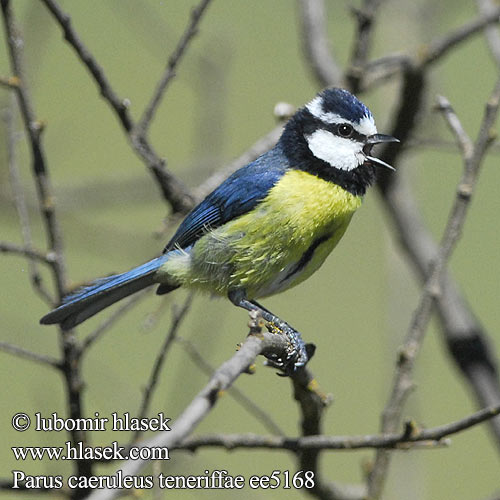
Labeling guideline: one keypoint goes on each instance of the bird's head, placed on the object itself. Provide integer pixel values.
(332, 137)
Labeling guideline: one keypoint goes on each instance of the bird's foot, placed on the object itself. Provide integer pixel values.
(297, 353)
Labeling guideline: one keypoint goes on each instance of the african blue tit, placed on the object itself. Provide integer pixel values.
(268, 226)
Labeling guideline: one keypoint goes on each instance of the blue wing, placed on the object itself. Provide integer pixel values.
(237, 195)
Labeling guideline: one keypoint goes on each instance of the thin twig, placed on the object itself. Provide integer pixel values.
(174, 191)
(438, 48)
(31, 253)
(177, 319)
(365, 17)
(22, 213)
(32, 356)
(410, 437)
(306, 443)
(462, 139)
(189, 33)
(315, 43)
(68, 343)
(390, 65)
(312, 403)
(263, 417)
(491, 32)
(383, 69)
(11, 82)
(39, 167)
(120, 106)
(465, 337)
(402, 381)
(111, 320)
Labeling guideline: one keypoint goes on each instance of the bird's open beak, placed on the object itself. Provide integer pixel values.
(378, 139)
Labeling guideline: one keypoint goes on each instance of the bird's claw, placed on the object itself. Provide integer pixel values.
(298, 353)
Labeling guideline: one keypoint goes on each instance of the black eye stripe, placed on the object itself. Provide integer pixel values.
(310, 124)
(355, 135)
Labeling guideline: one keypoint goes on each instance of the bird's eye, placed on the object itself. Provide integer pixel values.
(345, 130)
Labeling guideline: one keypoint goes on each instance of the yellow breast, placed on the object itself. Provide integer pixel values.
(289, 235)
(278, 244)
(312, 203)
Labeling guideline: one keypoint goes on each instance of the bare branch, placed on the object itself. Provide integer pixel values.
(33, 130)
(410, 437)
(173, 190)
(11, 82)
(22, 213)
(262, 416)
(432, 289)
(463, 140)
(190, 31)
(315, 43)
(120, 106)
(31, 253)
(438, 48)
(202, 404)
(491, 32)
(312, 403)
(32, 356)
(323, 443)
(69, 364)
(383, 69)
(390, 65)
(485, 136)
(365, 18)
(465, 337)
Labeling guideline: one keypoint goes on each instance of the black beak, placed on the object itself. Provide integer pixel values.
(378, 139)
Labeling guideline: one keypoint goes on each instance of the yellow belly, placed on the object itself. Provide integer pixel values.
(275, 246)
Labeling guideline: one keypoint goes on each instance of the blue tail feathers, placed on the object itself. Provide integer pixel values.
(103, 292)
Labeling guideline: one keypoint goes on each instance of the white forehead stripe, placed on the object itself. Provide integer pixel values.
(336, 151)
(315, 107)
(366, 126)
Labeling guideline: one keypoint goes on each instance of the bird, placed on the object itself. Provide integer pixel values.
(267, 227)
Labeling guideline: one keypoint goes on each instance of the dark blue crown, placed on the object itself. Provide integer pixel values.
(343, 103)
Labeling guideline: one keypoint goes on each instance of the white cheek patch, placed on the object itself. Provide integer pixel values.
(336, 151)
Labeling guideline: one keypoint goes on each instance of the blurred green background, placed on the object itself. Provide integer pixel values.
(246, 58)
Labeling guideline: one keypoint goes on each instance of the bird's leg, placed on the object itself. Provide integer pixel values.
(300, 352)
